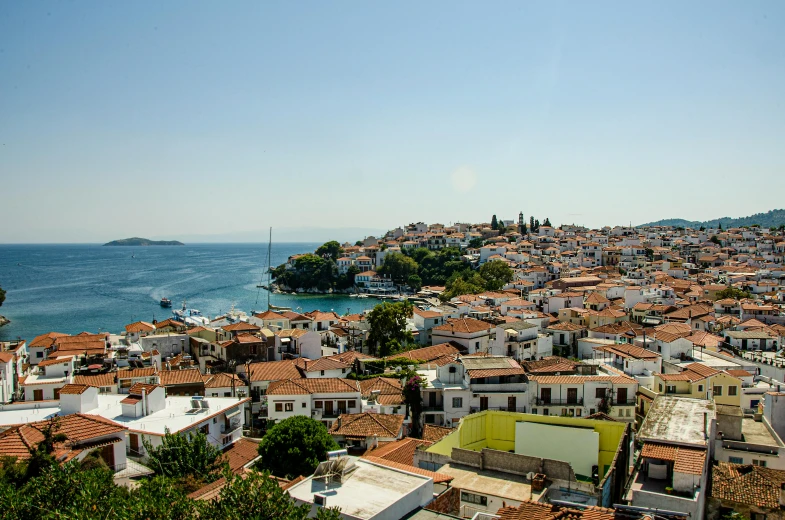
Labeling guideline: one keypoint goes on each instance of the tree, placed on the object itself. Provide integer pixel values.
(387, 322)
(295, 446)
(41, 457)
(523, 229)
(358, 243)
(494, 223)
(531, 224)
(732, 292)
(399, 267)
(702, 228)
(536, 225)
(547, 222)
(331, 249)
(715, 240)
(496, 274)
(412, 397)
(476, 243)
(467, 282)
(257, 495)
(2, 296)
(183, 456)
(414, 282)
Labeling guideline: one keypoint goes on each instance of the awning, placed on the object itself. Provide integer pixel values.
(286, 340)
(229, 415)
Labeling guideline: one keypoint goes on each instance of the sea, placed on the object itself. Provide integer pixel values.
(73, 288)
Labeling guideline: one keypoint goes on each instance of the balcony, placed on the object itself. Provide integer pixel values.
(559, 402)
(475, 409)
(626, 402)
(433, 408)
(498, 387)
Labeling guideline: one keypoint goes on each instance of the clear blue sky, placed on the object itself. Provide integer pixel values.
(172, 118)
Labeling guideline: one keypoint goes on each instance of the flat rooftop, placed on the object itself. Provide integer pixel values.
(756, 432)
(706, 358)
(677, 420)
(26, 412)
(173, 417)
(495, 483)
(370, 490)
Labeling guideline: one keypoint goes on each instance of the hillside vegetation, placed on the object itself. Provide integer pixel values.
(771, 219)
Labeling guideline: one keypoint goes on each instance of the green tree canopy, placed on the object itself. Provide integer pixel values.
(414, 282)
(715, 240)
(181, 456)
(295, 446)
(494, 223)
(387, 322)
(399, 267)
(331, 249)
(547, 222)
(732, 292)
(496, 274)
(476, 243)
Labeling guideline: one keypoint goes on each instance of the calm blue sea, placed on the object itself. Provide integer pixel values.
(75, 288)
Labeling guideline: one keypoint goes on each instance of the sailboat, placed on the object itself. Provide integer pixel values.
(268, 287)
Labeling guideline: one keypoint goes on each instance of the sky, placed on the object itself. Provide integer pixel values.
(221, 119)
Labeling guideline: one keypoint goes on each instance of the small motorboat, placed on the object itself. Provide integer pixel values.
(166, 302)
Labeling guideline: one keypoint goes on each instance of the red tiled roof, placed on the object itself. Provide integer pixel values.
(464, 326)
(359, 425)
(434, 433)
(187, 376)
(273, 370)
(747, 484)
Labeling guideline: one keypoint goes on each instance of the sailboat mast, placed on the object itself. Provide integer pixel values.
(269, 278)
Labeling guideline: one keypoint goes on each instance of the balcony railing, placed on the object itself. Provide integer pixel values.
(475, 409)
(559, 402)
(626, 402)
(230, 429)
(433, 408)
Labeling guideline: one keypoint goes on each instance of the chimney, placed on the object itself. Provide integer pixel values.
(144, 402)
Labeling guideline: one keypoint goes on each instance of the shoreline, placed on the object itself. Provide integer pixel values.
(4, 321)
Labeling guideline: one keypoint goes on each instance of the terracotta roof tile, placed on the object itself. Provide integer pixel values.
(360, 425)
(401, 451)
(434, 433)
(747, 484)
(326, 385)
(187, 376)
(73, 389)
(429, 353)
(273, 370)
(97, 380)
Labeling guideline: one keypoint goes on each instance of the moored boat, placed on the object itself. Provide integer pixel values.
(166, 302)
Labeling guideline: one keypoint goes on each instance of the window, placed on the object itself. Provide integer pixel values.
(343, 371)
(700, 388)
(732, 390)
(736, 460)
(670, 390)
(304, 405)
(476, 345)
(660, 387)
(321, 372)
(628, 412)
(599, 393)
(227, 394)
(545, 411)
(474, 498)
(534, 411)
(761, 463)
(577, 412)
(457, 402)
(205, 429)
(317, 404)
(592, 411)
(757, 516)
(717, 391)
(279, 407)
(39, 354)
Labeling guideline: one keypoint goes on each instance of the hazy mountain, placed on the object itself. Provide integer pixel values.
(773, 218)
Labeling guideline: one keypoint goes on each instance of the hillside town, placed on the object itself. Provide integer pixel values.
(511, 370)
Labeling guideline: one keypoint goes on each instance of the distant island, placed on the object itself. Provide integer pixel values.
(136, 241)
(771, 219)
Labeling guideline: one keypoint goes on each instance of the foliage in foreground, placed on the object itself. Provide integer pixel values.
(69, 491)
(295, 446)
